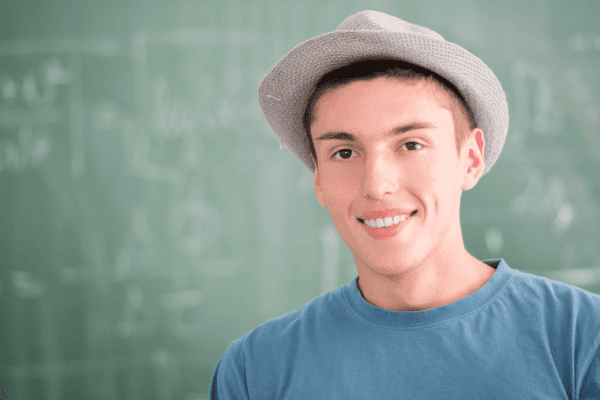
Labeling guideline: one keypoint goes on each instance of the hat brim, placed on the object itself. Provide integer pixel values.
(284, 91)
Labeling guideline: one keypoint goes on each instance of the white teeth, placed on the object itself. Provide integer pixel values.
(388, 221)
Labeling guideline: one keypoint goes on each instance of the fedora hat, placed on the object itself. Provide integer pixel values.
(284, 91)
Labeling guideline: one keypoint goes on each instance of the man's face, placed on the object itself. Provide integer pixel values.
(377, 171)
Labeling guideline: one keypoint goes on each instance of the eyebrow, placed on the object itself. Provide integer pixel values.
(399, 130)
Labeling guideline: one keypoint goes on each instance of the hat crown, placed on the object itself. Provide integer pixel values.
(377, 21)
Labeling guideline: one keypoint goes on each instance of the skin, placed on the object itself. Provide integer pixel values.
(426, 264)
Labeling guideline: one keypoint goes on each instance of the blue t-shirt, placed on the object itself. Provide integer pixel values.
(520, 336)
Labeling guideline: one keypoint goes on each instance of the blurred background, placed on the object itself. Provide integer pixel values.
(148, 217)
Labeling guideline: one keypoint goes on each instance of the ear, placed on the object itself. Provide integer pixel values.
(318, 191)
(475, 163)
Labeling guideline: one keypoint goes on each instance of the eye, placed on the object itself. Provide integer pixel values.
(344, 150)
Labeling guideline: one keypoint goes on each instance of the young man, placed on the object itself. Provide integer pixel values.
(395, 122)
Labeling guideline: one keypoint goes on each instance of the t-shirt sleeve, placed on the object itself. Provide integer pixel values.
(590, 389)
(229, 379)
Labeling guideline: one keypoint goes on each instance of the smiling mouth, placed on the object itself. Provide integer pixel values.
(362, 221)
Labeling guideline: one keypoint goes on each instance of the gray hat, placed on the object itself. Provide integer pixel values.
(283, 93)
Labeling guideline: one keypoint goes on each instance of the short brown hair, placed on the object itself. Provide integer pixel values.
(366, 70)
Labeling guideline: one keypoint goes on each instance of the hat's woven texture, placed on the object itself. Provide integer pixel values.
(283, 93)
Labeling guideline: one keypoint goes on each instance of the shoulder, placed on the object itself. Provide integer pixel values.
(266, 351)
(551, 292)
(270, 338)
(563, 310)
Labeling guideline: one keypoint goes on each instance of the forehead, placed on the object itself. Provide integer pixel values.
(379, 105)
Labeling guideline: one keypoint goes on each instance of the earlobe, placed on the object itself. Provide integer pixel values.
(316, 169)
(318, 192)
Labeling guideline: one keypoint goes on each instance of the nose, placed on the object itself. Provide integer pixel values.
(379, 177)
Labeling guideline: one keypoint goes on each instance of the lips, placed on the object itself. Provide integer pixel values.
(389, 232)
(385, 213)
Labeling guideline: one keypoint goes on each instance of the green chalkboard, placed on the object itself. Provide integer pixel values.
(148, 217)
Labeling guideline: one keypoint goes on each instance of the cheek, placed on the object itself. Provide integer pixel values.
(341, 184)
(440, 183)
(347, 181)
(440, 173)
